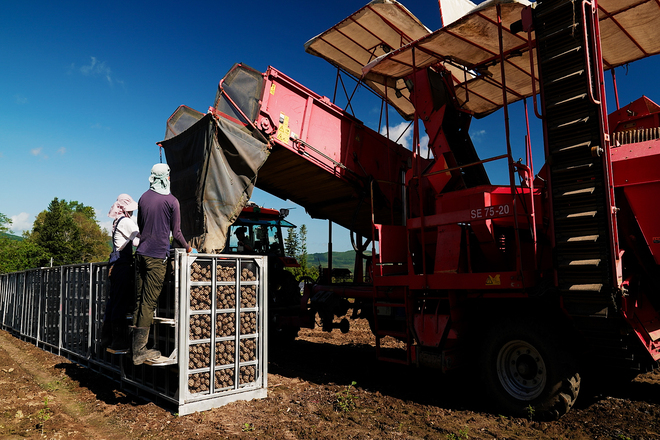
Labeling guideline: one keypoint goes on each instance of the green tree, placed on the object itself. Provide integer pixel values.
(20, 255)
(56, 232)
(69, 233)
(93, 240)
(5, 223)
(303, 270)
(17, 255)
(87, 211)
(295, 245)
(291, 244)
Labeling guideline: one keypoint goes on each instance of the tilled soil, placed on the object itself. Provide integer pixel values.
(323, 386)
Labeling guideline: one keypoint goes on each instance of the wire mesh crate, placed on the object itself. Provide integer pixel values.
(224, 344)
(31, 304)
(49, 312)
(75, 309)
(210, 324)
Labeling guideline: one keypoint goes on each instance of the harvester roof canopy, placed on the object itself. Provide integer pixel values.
(469, 48)
(378, 28)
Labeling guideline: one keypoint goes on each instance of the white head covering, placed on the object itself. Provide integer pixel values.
(123, 206)
(158, 181)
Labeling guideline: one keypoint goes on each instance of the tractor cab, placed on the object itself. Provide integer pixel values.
(258, 231)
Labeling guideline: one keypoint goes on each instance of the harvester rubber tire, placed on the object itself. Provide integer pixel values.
(527, 374)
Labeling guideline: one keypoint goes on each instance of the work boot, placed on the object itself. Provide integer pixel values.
(106, 334)
(140, 351)
(120, 340)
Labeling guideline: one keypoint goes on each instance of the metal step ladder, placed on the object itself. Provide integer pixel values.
(397, 329)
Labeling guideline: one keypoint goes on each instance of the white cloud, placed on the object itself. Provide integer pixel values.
(424, 146)
(38, 152)
(62, 150)
(99, 68)
(477, 135)
(106, 225)
(401, 133)
(404, 131)
(20, 99)
(20, 223)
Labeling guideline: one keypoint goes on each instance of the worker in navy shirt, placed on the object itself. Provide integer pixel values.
(158, 216)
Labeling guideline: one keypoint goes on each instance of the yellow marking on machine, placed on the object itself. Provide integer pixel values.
(493, 280)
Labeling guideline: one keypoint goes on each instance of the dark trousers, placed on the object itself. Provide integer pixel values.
(150, 279)
(121, 292)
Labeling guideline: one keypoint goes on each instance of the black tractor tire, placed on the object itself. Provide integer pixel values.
(526, 373)
(284, 301)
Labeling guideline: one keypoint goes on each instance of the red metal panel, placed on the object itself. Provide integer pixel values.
(430, 328)
(647, 213)
(448, 249)
(645, 321)
(635, 168)
(332, 156)
(293, 109)
(641, 113)
(499, 282)
(392, 256)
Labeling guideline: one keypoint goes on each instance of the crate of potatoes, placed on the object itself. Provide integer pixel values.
(222, 348)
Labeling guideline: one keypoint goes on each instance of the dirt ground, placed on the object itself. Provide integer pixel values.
(324, 386)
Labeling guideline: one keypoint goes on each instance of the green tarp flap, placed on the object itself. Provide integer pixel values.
(213, 169)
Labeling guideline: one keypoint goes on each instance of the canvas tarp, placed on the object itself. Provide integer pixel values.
(213, 169)
(627, 29)
(375, 29)
(383, 43)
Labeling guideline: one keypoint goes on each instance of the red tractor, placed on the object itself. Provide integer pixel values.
(258, 231)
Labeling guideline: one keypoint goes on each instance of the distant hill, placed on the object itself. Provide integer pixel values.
(11, 237)
(343, 260)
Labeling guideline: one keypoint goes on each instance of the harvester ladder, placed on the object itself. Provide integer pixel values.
(574, 124)
(401, 331)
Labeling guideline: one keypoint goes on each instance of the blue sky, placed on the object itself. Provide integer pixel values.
(86, 89)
